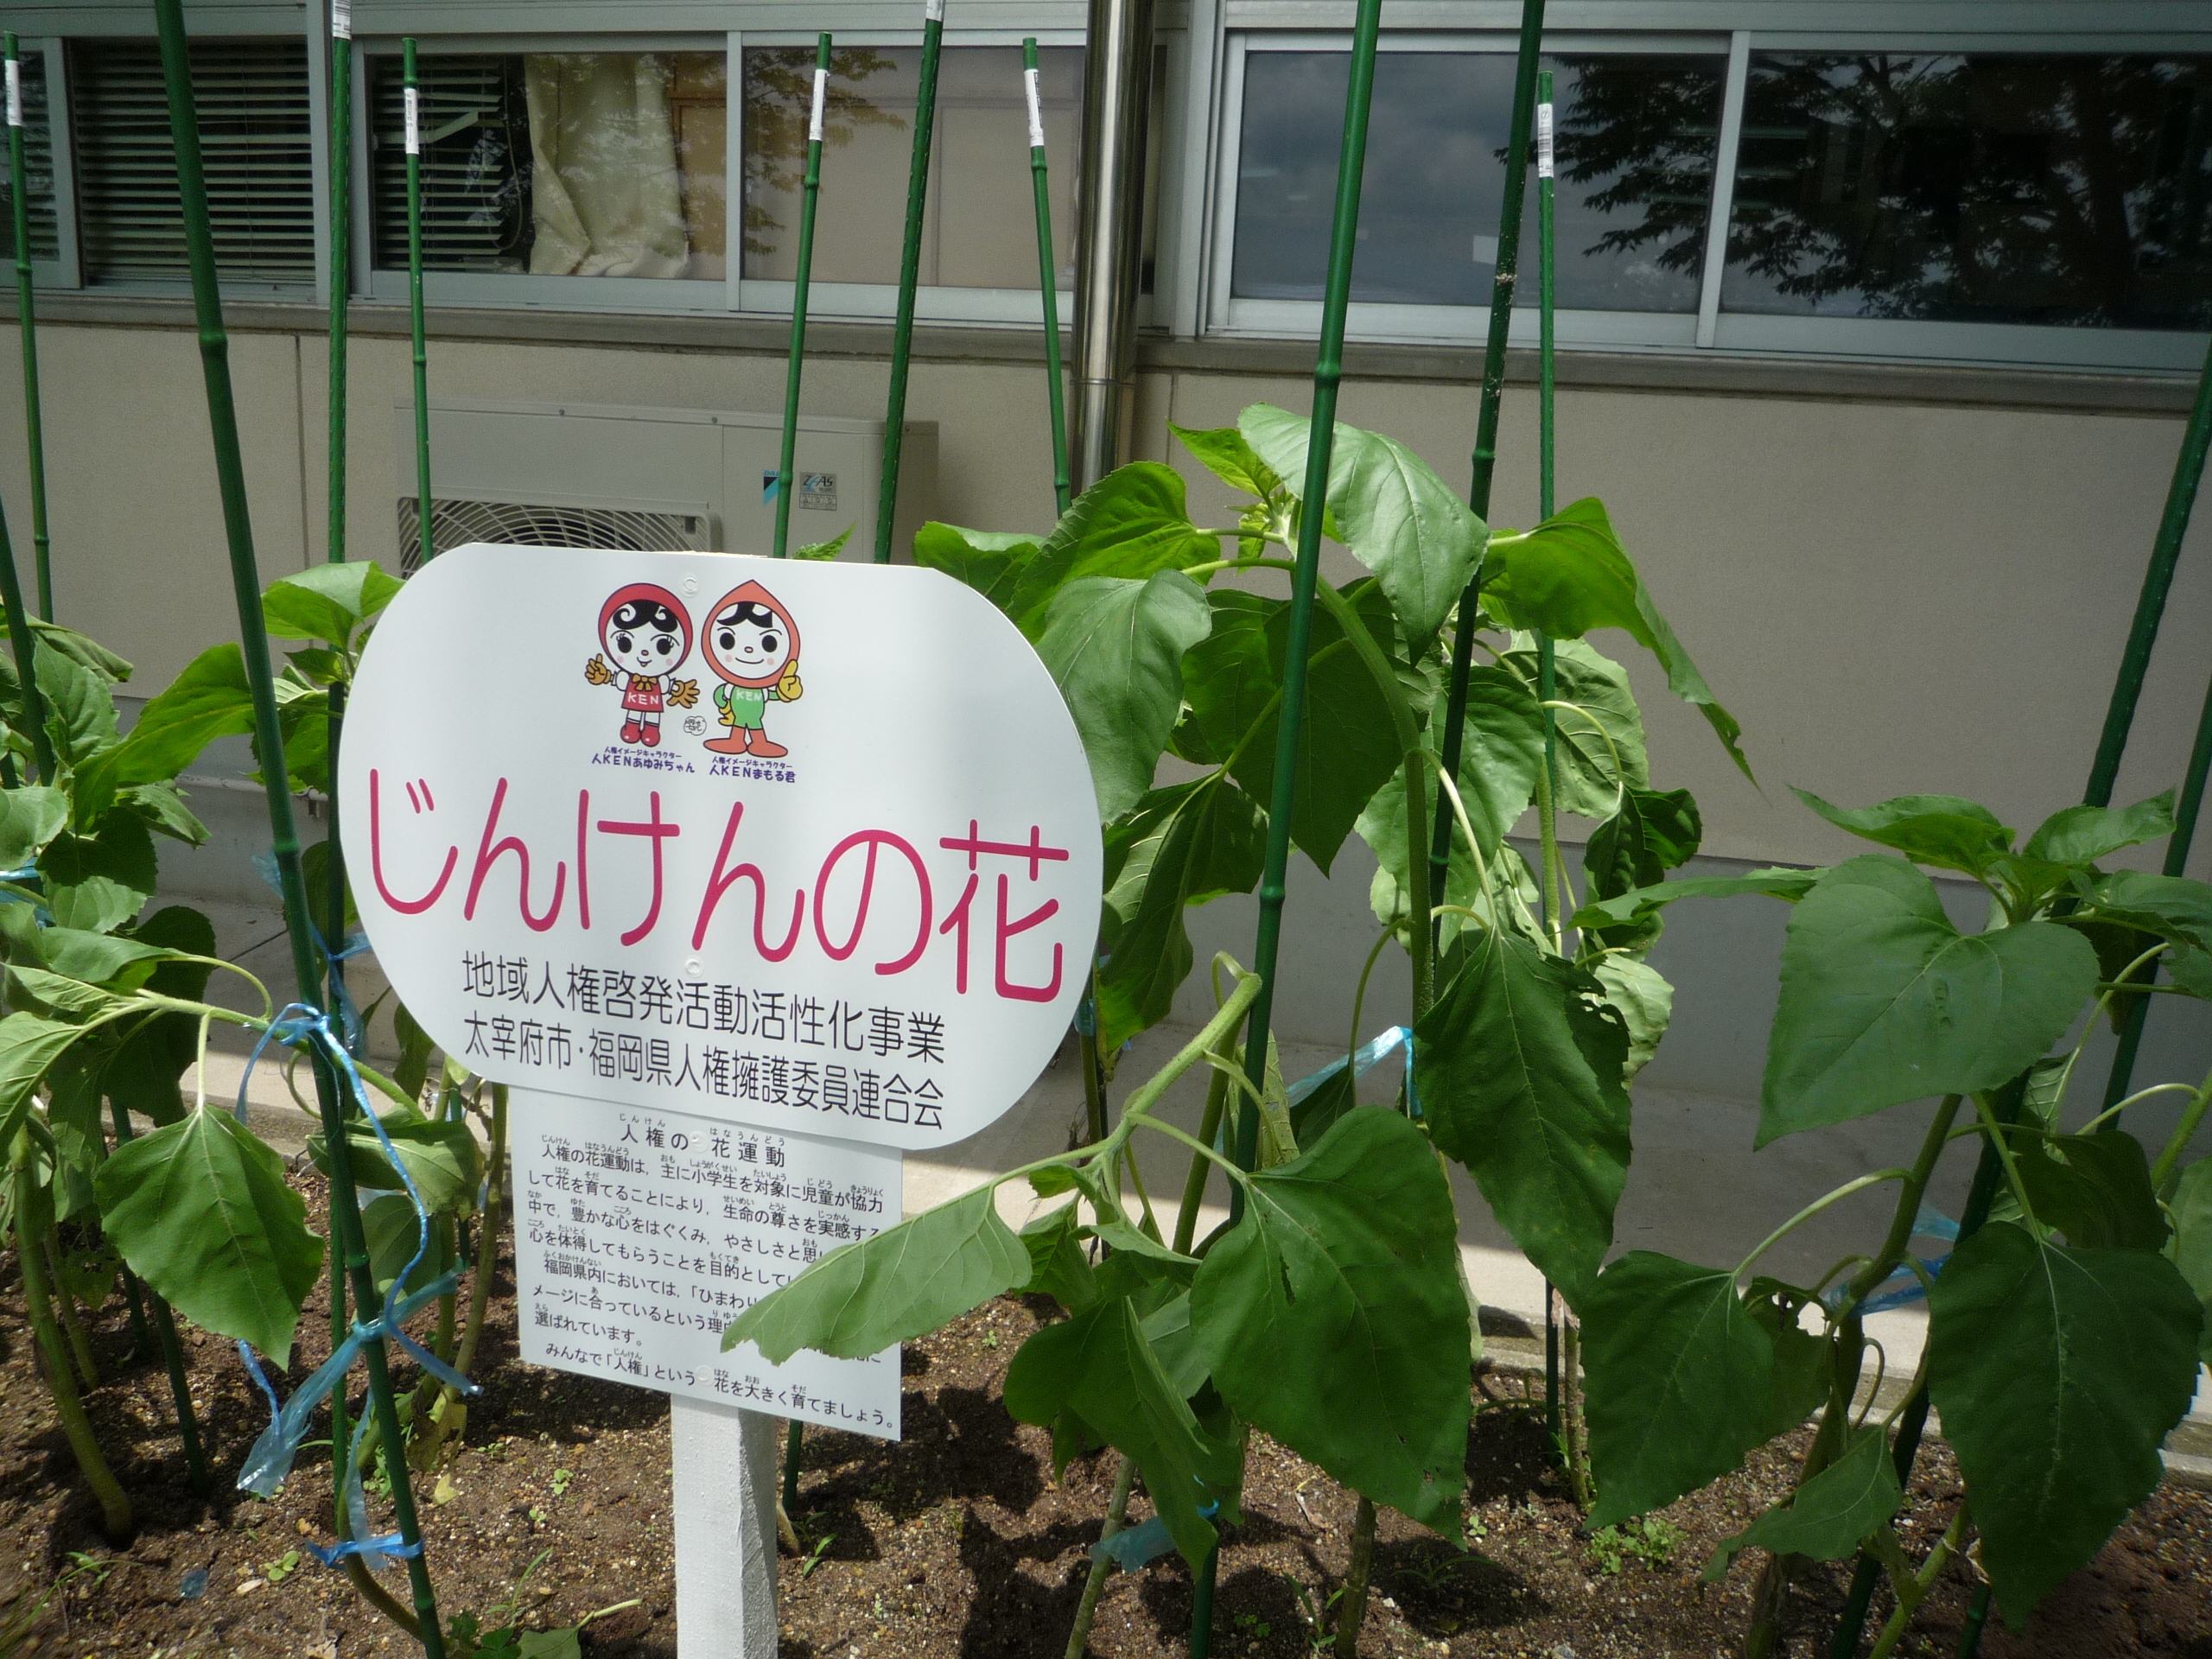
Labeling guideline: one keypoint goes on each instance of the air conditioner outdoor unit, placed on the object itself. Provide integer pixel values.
(598, 475)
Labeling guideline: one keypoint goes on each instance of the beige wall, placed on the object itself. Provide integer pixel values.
(1891, 596)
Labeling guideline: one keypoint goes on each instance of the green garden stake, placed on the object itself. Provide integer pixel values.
(222, 415)
(1328, 374)
(1485, 456)
(807, 201)
(412, 93)
(2187, 804)
(909, 268)
(1048, 280)
(1547, 670)
(20, 200)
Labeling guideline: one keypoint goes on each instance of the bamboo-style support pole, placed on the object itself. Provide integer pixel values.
(1485, 456)
(808, 201)
(1328, 375)
(411, 92)
(1048, 277)
(222, 415)
(910, 270)
(34, 434)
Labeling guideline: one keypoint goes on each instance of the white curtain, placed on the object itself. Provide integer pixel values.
(606, 196)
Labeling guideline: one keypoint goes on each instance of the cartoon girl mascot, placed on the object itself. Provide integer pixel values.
(753, 645)
(646, 633)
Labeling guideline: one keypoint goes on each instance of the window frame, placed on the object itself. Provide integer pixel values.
(736, 296)
(1711, 330)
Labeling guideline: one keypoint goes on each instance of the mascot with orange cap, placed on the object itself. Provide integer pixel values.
(752, 643)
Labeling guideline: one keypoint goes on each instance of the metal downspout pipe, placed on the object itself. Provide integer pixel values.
(1110, 234)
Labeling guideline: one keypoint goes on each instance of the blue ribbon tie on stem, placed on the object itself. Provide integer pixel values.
(302, 1026)
(1362, 1061)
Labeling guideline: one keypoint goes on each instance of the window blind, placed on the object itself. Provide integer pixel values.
(256, 149)
(38, 168)
(476, 164)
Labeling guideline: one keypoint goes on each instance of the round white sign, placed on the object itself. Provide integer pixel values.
(807, 846)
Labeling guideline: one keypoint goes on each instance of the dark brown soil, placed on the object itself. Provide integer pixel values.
(954, 1542)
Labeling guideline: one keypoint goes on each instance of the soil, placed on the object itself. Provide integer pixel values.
(954, 1541)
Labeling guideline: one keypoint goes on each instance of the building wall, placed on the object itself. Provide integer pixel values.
(1913, 583)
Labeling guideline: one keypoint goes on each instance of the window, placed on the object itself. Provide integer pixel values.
(38, 168)
(1637, 134)
(978, 230)
(255, 143)
(2065, 191)
(559, 164)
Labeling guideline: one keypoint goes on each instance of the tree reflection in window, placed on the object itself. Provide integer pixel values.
(2054, 190)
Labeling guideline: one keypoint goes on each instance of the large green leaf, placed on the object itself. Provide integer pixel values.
(1224, 451)
(1228, 679)
(2083, 834)
(1654, 832)
(989, 562)
(1643, 998)
(1057, 1266)
(1633, 909)
(1594, 762)
(1406, 524)
(2171, 906)
(2058, 1371)
(2192, 1211)
(1883, 1000)
(1182, 846)
(1332, 1315)
(326, 601)
(1518, 1065)
(1569, 576)
(393, 1233)
(98, 882)
(1099, 1365)
(29, 1043)
(1348, 743)
(1115, 648)
(440, 1156)
(1130, 524)
(2093, 1188)
(202, 1212)
(903, 1283)
(1945, 831)
(30, 817)
(209, 700)
(1501, 756)
(1835, 1511)
(141, 1074)
(79, 648)
(1678, 1382)
(1800, 1376)
(79, 705)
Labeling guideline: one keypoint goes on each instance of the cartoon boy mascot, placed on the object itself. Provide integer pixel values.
(644, 629)
(751, 644)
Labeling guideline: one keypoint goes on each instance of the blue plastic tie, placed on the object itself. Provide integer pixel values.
(1364, 1060)
(1928, 1224)
(300, 1025)
(349, 1015)
(1138, 1546)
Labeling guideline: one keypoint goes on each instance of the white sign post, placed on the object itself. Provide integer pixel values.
(746, 876)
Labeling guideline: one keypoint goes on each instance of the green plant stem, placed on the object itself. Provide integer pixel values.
(488, 1245)
(1194, 1187)
(792, 1439)
(214, 348)
(1913, 1589)
(142, 1334)
(164, 1324)
(1977, 1621)
(1048, 285)
(809, 196)
(428, 1386)
(1484, 464)
(909, 266)
(72, 1322)
(27, 314)
(2192, 1115)
(1117, 1510)
(116, 1518)
(426, 549)
(1856, 1185)
(1352, 1614)
(1571, 1421)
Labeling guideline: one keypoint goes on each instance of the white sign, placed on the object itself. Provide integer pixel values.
(640, 1234)
(614, 834)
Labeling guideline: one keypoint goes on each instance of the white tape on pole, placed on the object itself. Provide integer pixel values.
(821, 97)
(15, 94)
(341, 20)
(1543, 141)
(725, 1467)
(933, 10)
(413, 121)
(1036, 111)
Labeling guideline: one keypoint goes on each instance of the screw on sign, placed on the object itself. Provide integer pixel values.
(731, 965)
